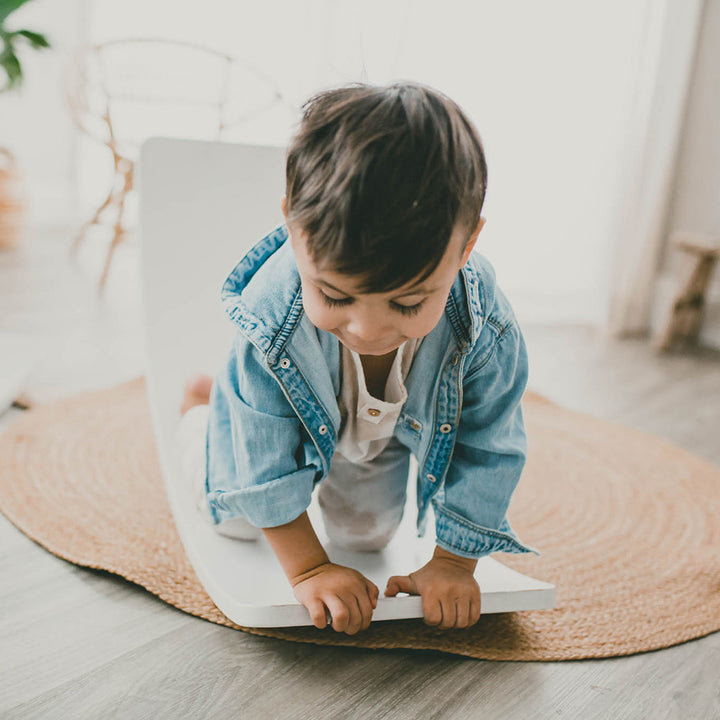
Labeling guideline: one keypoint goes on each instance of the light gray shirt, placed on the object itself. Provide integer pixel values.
(367, 422)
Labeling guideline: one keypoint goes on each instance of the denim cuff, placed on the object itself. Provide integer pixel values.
(270, 504)
(458, 535)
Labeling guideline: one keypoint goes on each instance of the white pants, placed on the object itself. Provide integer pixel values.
(361, 503)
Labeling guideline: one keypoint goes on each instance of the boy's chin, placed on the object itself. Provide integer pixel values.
(365, 350)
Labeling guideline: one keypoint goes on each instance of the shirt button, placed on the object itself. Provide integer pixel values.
(445, 428)
(431, 478)
(284, 363)
(373, 411)
(322, 429)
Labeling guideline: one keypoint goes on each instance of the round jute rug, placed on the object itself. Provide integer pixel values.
(628, 526)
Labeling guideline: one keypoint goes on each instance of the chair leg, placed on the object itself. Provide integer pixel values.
(686, 313)
(95, 219)
(696, 297)
(119, 231)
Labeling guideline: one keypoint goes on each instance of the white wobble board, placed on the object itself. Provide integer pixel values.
(202, 206)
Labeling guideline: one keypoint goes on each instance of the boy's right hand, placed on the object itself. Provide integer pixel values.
(346, 593)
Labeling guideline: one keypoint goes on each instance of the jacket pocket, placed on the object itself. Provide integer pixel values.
(409, 425)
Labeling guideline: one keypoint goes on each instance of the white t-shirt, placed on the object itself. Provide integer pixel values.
(367, 423)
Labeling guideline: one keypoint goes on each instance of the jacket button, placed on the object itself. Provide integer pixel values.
(284, 363)
(445, 428)
(322, 429)
(431, 478)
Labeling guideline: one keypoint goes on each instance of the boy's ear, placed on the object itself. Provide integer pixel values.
(470, 244)
(283, 206)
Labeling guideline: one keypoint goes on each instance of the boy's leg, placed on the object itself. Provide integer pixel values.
(362, 504)
(191, 449)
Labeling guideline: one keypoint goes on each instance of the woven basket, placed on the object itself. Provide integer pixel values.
(12, 203)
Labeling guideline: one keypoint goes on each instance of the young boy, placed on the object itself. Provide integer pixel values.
(366, 332)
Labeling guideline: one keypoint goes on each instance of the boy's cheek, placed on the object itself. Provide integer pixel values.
(318, 315)
(425, 324)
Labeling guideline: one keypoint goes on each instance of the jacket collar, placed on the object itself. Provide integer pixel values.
(263, 296)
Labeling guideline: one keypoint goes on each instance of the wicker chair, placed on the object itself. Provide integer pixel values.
(123, 91)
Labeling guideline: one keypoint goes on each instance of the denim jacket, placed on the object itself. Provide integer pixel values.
(274, 417)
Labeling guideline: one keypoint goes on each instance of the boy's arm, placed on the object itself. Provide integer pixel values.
(297, 547)
(320, 585)
(256, 471)
(257, 468)
(470, 510)
(489, 453)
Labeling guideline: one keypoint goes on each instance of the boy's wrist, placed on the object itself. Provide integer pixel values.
(297, 547)
(305, 563)
(441, 554)
(308, 573)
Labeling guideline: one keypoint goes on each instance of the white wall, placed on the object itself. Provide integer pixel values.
(34, 122)
(550, 86)
(695, 204)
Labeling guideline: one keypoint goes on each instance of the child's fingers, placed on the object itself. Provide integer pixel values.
(366, 610)
(475, 609)
(462, 612)
(317, 613)
(432, 611)
(449, 612)
(358, 612)
(400, 583)
(373, 592)
(339, 611)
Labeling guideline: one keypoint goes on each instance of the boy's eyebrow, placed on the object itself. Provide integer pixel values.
(410, 291)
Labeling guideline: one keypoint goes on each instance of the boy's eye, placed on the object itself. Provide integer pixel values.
(341, 302)
(334, 302)
(408, 309)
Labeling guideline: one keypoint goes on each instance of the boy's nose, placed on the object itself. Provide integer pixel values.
(366, 330)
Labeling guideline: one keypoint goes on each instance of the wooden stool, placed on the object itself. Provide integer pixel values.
(686, 311)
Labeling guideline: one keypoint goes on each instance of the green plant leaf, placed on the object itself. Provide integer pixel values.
(11, 65)
(9, 6)
(35, 39)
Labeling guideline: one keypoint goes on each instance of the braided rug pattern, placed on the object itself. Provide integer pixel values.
(628, 526)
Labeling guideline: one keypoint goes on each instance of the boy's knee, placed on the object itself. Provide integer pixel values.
(361, 543)
(349, 526)
(360, 532)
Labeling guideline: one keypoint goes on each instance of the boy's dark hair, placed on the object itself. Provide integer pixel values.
(379, 177)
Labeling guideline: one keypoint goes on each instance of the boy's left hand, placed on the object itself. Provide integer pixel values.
(450, 593)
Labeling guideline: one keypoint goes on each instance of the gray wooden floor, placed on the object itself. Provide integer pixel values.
(76, 643)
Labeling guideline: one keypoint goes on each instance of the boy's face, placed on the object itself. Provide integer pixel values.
(378, 323)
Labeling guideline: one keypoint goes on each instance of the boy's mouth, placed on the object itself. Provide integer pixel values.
(371, 350)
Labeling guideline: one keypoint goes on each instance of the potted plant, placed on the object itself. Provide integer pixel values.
(12, 207)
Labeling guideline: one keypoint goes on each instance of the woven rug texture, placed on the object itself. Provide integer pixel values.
(627, 523)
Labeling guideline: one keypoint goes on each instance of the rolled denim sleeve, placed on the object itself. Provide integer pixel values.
(489, 453)
(256, 466)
